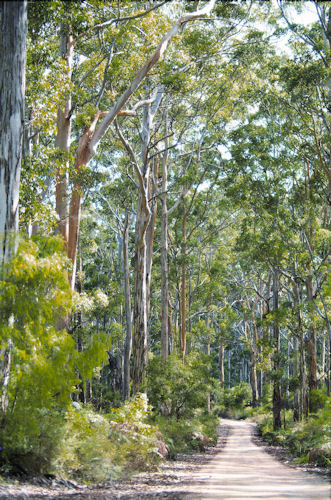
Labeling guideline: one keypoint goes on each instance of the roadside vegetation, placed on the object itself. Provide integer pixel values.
(309, 440)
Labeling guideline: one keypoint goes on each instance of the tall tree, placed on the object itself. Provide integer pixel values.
(92, 136)
(12, 91)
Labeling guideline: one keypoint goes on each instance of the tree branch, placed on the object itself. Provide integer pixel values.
(156, 57)
(132, 156)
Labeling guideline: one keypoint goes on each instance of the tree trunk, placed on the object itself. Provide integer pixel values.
(183, 291)
(277, 423)
(208, 393)
(62, 140)
(311, 346)
(323, 357)
(12, 91)
(6, 366)
(140, 338)
(164, 264)
(152, 192)
(303, 376)
(170, 325)
(328, 350)
(128, 323)
(13, 32)
(221, 363)
(254, 364)
(229, 367)
(297, 370)
(296, 394)
(145, 223)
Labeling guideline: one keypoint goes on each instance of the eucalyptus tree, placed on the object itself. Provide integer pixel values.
(96, 130)
(12, 87)
(13, 19)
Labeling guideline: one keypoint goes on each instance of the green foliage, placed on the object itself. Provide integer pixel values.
(308, 440)
(34, 294)
(175, 388)
(185, 435)
(177, 393)
(103, 447)
(318, 400)
(232, 402)
(85, 451)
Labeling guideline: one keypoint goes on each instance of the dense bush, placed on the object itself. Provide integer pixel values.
(178, 395)
(103, 447)
(308, 440)
(233, 402)
(176, 389)
(34, 294)
(185, 435)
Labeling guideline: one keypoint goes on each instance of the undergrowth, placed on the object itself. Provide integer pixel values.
(309, 440)
(104, 447)
(186, 435)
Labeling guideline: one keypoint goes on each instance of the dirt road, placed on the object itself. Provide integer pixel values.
(240, 470)
(244, 470)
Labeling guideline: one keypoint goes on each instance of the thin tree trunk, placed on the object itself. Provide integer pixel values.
(140, 338)
(323, 357)
(303, 376)
(145, 222)
(297, 406)
(221, 363)
(164, 264)
(170, 325)
(128, 322)
(208, 393)
(229, 367)
(254, 364)
(277, 423)
(311, 345)
(152, 192)
(328, 351)
(183, 290)
(6, 366)
(296, 394)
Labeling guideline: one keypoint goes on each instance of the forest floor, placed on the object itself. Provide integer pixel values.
(238, 467)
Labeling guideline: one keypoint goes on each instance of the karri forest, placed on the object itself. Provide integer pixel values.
(165, 186)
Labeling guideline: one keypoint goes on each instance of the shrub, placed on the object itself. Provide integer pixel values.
(176, 389)
(232, 402)
(34, 293)
(308, 440)
(104, 447)
(86, 451)
(182, 435)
